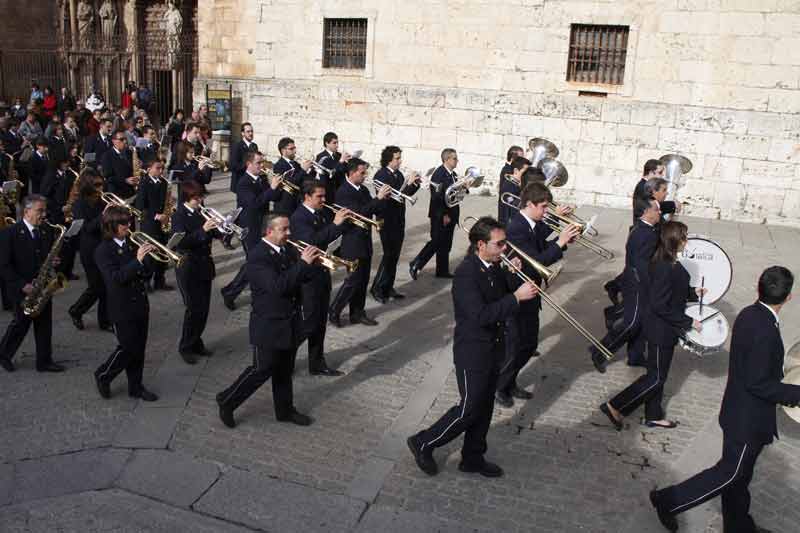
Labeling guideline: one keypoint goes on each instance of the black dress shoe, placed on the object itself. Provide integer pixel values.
(760, 529)
(103, 388)
(606, 411)
(50, 367)
(667, 520)
(77, 321)
(144, 395)
(364, 319)
(325, 371)
(230, 303)
(107, 327)
(521, 394)
(612, 291)
(188, 358)
(424, 459)
(296, 418)
(485, 469)
(7, 364)
(226, 415)
(413, 271)
(379, 298)
(504, 399)
(149, 287)
(336, 321)
(396, 295)
(598, 360)
(446, 275)
(205, 352)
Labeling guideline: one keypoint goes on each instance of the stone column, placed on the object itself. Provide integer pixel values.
(73, 23)
(130, 18)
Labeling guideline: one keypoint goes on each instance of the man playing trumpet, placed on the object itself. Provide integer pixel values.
(293, 172)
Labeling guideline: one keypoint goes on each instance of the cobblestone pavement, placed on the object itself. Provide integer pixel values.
(70, 461)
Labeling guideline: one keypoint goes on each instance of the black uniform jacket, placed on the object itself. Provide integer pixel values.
(190, 171)
(357, 242)
(275, 280)
(639, 248)
(97, 146)
(117, 167)
(394, 213)
(56, 188)
(195, 245)
(665, 319)
(254, 196)
(150, 199)
(21, 257)
(289, 202)
(754, 378)
(124, 277)
(440, 180)
(482, 301)
(504, 212)
(92, 229)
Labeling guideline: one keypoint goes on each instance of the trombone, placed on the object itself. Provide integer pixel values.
(359, 220)
(224, 224)
(112, 199)
(329, 261)
(572, 321)
(160, 253)
(557, 223)
(286, 185)
(394, 194)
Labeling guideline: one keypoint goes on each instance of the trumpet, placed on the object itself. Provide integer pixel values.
(320, 169)
(329, 261)
(359, 220)
(112, 199)
(394, 194)
(572, 218)
(224, 223)
(557, 223)
(160, 253)
(286, 185)
(207, 160)
(572, 321)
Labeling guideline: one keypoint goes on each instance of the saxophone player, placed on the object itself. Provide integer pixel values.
(117, 165)
(23, 250)
(57, 186)
(151, 200)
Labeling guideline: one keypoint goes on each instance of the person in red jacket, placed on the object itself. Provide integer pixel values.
(50, 103)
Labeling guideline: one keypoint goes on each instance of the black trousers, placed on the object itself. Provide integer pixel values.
(392, 243)
(232, 290)
(522, 339)
(268, 362)
(440, 244)
(158, 268)
(67, 255)
(42, 331)
(649, 388)
(4, 296)
(95, 292)
(315, 319)
(353, 290)
(628, 330)
(472, 416)
(129, 354)
(197, 300)
(730, 477)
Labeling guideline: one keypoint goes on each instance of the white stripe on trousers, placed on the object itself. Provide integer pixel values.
(463, 410)
(658, 378)
(720, 487)
(633, 321)
(253, 369)
(111, 362)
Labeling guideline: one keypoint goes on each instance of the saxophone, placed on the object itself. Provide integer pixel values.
(136, 164)
(169, 209)
(74, 192)
(47, 281)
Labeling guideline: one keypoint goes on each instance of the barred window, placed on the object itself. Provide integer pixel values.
(597, 54)
(344, 43)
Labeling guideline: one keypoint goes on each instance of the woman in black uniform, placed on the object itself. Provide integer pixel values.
(187, 169)
(89, 208)
(664, 323)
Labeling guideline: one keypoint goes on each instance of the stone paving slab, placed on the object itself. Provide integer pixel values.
(274, 505)
(170, 477)
(390, 520)
(6, 483)
(149, 428)
(105, 511)
(68, 473)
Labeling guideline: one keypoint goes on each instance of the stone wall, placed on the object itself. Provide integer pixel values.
(716, 80)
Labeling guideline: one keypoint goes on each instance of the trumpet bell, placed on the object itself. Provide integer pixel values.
(673, 162)
(541, 149)
(554, 171)
(474, 174)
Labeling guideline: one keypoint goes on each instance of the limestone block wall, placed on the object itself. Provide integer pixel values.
(716, 80)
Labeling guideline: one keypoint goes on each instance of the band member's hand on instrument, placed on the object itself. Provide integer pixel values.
(275, 181)
(569, 234)
(161, 217)
(209, 225)
(526, 291)
(564, 210)
(132, 180)
(697, 325)
(346, 157)
(383, 192)
(446, 220)
(310, 254)
(305, 165)
(517, 264)
(415, 179)
(341, 216)
(142, 252)
(28, 288)
(66, 209)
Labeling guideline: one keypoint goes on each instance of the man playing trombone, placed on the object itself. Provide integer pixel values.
(510, 182)
(527, 232)
(394, 222)
(357, 243)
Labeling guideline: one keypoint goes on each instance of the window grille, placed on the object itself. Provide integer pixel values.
(344, 43)
(597, 54)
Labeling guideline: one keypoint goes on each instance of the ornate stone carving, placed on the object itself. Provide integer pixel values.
(108, 21)
(85, 22)
(174, 29)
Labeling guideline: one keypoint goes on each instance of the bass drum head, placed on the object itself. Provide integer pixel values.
(713, 335)
(791, 360)
(792, 378)
(706, 261)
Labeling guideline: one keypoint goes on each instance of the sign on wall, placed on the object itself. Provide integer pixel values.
(220, 108)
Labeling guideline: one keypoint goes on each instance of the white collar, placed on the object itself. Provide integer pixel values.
(646, 222)
(120, 242)
(290, 161)
(247, 143)
(353, 185)
(118, 152)
(771, 310)
(330, 154)
(155, 179)
(276, 248)
(529, 219)
(255, 178)
(30, 226)
(387, 167)
(40, 154)
(310, 210)
(186, 205)
(487, 264)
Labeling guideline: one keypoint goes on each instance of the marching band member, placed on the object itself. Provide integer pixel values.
(39, 165)
(335, 162)
(56, 187)
(89, 208)
(186, 167)
(117, 167)
(639, 249)
(292, 171)
(196, 274)
(151, 200)
(665, 320)
(99, 144)
(394, 223)
(253, 196)
(125, 272)
(747, 415)
(23, 249)
(236, 158)
(443, 220)
(308, 224)
(526, 231)
(504, 185)
(276, 274)
(482, 301)
(147, 147)
(357, 244)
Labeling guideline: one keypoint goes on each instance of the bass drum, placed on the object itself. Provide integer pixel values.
(792, 378)
(712, 337)
(708, 265)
